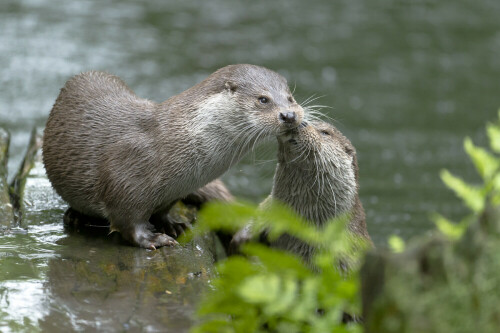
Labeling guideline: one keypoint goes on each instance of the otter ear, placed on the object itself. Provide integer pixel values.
(230, 86)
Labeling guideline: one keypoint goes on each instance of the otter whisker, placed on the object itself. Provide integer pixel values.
(323, 115)
(316, 166)
(252, 136)
(307, 156)
(257, 138)
(243, 146)
(304, 103)
(311, 99)
(312, 117)
(268, 150)
(318, 107)
(332, 191)
(316, 175)
(314, 112)
(262, 162)
(298, 157)
(317, 112)
(243, 131)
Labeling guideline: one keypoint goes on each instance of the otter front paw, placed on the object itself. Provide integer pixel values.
(143, 236)
(241, 237)
(153, 241)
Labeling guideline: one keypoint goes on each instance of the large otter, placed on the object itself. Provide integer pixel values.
(111, 154)
(317, 176)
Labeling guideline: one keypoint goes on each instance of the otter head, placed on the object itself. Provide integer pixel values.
(323, 162)
(265, 95)
(244, 104)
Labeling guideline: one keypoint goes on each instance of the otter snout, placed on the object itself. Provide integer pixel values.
(288, 117)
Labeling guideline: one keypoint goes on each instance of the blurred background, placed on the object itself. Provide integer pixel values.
(406, 80)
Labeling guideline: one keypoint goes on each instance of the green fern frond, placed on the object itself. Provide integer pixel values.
(493, 131)
(449, 228)
(485, 163)
(472, 196)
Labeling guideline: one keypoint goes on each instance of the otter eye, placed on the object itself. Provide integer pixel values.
(263, 99)
(325, 133)
(290, 99)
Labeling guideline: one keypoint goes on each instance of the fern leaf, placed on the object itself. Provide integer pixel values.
(493, 131)
(472, 196)
(485, 163)
(450, 229)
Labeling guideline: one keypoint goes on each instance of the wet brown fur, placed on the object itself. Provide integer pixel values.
(317, 176)
(114, 155)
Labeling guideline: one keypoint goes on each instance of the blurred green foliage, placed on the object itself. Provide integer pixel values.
(475, 197)
(272, 290)
(448, 282)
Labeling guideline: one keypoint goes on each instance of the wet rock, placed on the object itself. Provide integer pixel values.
(113, 287)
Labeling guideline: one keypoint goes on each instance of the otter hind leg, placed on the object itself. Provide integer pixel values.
(140, 233)
(75, 219)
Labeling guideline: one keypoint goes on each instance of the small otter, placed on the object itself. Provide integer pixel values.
(114, 155)
(317, 176)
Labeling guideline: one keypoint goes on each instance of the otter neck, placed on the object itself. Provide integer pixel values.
(211, 139)
(313, 193)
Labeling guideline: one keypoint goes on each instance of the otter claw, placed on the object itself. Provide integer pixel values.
(152, 241)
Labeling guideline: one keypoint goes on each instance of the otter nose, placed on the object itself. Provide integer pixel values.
(288, 116)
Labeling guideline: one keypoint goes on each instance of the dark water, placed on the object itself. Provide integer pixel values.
(406, 80)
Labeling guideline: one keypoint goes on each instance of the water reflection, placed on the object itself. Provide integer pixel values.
(59, 279)
(96, 284)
